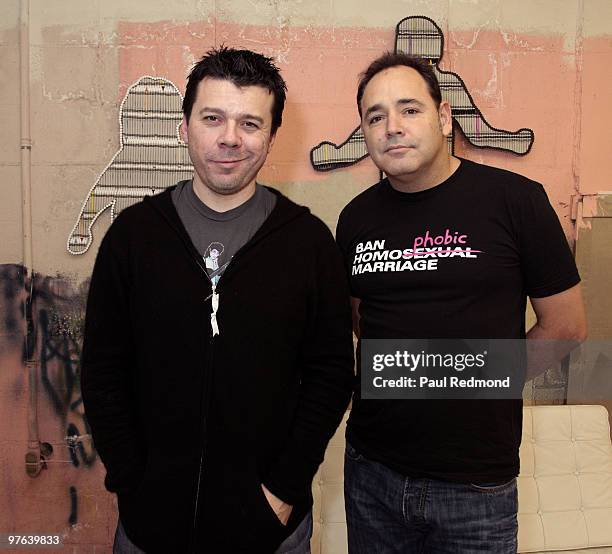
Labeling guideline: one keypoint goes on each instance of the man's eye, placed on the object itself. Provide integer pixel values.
(411, 111)
(251, 125)
(212, 118)
(375, 119)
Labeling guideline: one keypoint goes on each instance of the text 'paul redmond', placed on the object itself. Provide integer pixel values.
(414, 361)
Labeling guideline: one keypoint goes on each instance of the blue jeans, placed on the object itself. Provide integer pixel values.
(387, 512)
(296, 543)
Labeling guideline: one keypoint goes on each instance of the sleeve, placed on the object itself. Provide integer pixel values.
(547, 262)
(327, 377)
(107, 360)
(342, 240)
(341, 233)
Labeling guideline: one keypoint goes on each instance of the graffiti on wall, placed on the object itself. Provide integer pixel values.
(421, 37)
(42, 323)
(60, 315)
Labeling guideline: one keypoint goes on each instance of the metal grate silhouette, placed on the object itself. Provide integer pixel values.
(151, 156)
(421, 37)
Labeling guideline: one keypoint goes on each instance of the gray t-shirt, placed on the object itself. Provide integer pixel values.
(217, 236)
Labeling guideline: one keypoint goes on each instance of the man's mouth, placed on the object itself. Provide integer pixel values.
(397, 148)
(228, 162)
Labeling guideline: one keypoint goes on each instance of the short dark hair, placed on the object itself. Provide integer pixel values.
(395, 59)
(243, 68)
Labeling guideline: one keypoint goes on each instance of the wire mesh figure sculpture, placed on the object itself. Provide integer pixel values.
(151, 156)
(421, 37)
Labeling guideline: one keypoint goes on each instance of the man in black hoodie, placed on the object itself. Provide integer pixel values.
(217, 359)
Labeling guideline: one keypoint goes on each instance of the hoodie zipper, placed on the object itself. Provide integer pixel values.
(204, 401)
(206, 386)
(205, 398)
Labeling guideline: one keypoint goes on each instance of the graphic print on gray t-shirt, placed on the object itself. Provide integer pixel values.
(211, 258)
(217, 236)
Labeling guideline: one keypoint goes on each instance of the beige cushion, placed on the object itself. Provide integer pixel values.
(565, 485)
(329, 520)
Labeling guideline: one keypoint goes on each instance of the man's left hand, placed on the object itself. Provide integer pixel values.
(281, 509)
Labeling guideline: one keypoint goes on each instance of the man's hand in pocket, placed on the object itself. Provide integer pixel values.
(281, 509)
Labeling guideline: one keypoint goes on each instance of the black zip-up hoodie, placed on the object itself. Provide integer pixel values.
(188, 424)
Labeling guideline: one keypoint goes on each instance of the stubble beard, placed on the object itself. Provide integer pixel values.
(227, 188)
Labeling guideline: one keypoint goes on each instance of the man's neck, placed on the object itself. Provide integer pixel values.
(222, 202)
(432, 176)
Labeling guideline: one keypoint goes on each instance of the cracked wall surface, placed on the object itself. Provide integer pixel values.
(541, 64)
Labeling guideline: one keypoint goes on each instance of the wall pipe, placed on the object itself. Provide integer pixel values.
(33, 460)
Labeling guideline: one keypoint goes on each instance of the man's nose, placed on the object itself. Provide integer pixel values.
(394, 126)
(230, 136)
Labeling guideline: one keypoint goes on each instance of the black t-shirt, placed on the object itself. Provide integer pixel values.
(486, 239)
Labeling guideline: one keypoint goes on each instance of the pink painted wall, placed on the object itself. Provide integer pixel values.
(527, 80)
(595, 109)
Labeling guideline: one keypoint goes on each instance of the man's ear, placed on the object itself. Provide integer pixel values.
(272, 139)
(446, 118)
(362, 132)
(183, 129)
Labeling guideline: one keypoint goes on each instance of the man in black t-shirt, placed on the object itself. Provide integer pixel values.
(442, 248)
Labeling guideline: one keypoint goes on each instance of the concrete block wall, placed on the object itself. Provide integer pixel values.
(541, 64)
